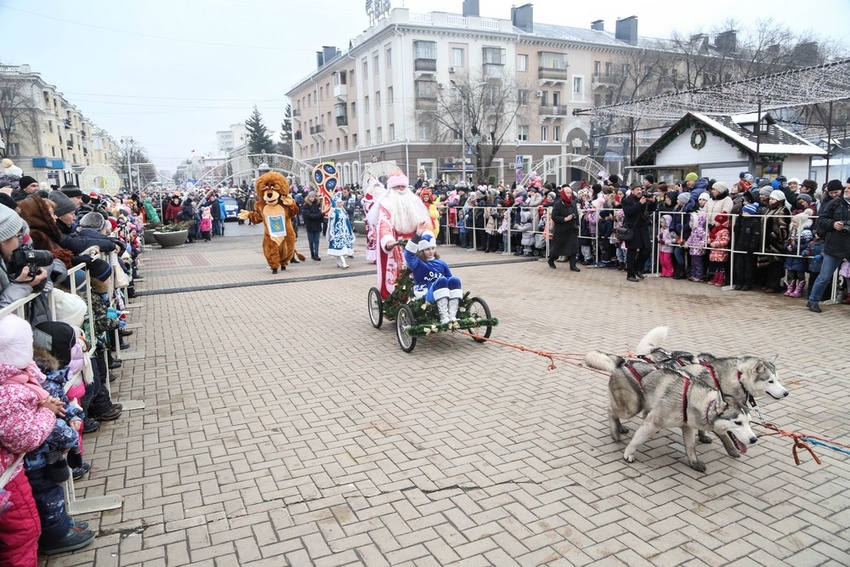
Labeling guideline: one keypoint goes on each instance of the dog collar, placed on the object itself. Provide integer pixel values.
(749, 397)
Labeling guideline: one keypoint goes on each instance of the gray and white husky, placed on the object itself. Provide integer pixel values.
(675, 399)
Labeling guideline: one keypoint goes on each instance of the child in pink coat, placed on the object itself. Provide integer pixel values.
(206, 223)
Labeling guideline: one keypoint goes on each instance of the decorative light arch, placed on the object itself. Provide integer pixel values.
(250, 164)
(556, 164)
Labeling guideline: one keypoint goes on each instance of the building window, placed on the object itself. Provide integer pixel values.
(368, 137)
(522, 133)
(50, 126)
(556, 98)
(626, 68)
(425, 50)
(607, 68)
(389, 95)
(423, 132)
(426, 89)
(457, 56)
(544, 133)
(391, 133)
(377, 99)
(365, 70)
(379, 136)
(597, 68)
(389, 57)
(522, 63)
(493, 55)
(578, 85)
(375, 63)
(353, 110)
(550, 60)
(544, 98)
(522, 97)
(354, 140)
(556, 133)
(366, 104)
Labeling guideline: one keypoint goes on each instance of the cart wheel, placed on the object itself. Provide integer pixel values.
(403, 321)
(376, 308)
(478, 309)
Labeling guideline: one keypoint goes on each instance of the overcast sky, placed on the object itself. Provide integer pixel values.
(172, 73)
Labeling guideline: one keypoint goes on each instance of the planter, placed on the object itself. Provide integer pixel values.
(149, 240)
(171, 239)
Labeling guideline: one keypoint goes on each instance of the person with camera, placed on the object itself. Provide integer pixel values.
(834, 225)
(22, 269)
(637, 209)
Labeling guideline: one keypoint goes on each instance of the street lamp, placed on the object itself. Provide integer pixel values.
(129, 144)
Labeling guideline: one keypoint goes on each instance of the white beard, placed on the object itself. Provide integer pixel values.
(407, 210)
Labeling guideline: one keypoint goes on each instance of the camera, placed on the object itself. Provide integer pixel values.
(26, 257)
(845, 227)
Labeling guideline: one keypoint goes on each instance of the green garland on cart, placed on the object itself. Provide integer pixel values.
(425, 314)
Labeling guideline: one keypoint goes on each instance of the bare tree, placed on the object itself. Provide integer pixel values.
(130, 154)
(481, 112)
(18, 112)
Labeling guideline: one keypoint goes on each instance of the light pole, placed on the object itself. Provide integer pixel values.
(462, 131)
(129, 144)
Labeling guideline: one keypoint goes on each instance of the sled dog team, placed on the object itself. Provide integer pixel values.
(698, 394)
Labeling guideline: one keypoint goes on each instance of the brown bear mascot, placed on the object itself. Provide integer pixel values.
(275, 209)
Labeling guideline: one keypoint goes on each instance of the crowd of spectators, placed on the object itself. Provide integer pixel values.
(53, 376)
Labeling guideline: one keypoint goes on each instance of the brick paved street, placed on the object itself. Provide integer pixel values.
(281, 428)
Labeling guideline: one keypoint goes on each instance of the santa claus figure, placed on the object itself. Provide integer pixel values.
(373, 193)
(395, 216)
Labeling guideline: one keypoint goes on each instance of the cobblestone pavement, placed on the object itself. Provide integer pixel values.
(281, 428)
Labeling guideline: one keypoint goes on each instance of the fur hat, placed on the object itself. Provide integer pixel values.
(426, 241)
(692, 176)
(10, 223)
(64, 205)
(750, 209)
(834, 185)
(777, 195)
(93, 220)
(810, 183)
(397, 179)
(58, 338)
(683, 197)
(15, 341)
(26, 181)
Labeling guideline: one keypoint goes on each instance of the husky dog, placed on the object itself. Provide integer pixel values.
(674, 399)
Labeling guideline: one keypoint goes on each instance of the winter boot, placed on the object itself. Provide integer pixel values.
(792, 285)
(798, 291)
(721, 279)
(443, 309)
(454, 302)
(341, 262)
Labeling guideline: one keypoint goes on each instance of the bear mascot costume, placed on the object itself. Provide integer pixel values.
(275, 208)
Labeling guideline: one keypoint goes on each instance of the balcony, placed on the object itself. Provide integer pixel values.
(67, 123)
(493, 71)
(317, 131)
(341, 91)
(69, 145)
(296, 114)
(555, 110)
(426, 103)
(599, 81)
(552, 75)
(298, 134)
(425, 65)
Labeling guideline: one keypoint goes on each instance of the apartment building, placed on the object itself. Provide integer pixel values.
(45, 134)
(376, 100)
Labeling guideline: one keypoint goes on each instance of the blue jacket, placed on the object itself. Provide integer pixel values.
(425, 272)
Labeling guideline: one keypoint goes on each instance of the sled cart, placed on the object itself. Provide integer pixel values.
(416, 318)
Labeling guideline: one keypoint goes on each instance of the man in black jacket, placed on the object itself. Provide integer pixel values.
(635, 209)
(834, 224)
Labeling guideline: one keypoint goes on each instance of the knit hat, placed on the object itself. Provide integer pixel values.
(720, 186)
(805, 197)
(810, 183)
(777, 195)
(15, 341)
(58, 338)
(722, 218)
(64, 205)
(793, 180)
(691, 176)
(10, 223)
(704, 196)
(765, 191)
(764, 182)
(834, 185)
(92, 220)
(750, 209)
(26, 181)
(683, 197)
(8, 201)
(71, 190)
(426, 241)
(397, 179)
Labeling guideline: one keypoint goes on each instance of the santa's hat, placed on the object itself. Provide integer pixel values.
(397, 179)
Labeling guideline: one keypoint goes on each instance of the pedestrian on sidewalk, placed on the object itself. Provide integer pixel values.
(340, 234)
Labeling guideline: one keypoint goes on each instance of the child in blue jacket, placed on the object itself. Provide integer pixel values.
(432, 277)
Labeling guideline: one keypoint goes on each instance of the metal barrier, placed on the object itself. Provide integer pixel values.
(73, 504)
(115, 261)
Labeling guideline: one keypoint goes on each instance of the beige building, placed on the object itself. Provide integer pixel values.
(46, 135)
(376, 101)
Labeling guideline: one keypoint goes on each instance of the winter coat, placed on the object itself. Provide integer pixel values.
(666, 239)
(635, 217)
(697, 240)
(719, 238)
(172, 213)
(313, 216)
(748, 233)
(85, 238)
(814, 253)
(24, 425)
(525, 226)
(44, 231)
(776, 232)
(837, 243)
(565, 233)
(721, 204)
(796, 245)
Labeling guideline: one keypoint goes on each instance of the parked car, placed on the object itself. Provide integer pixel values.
(231, 208)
